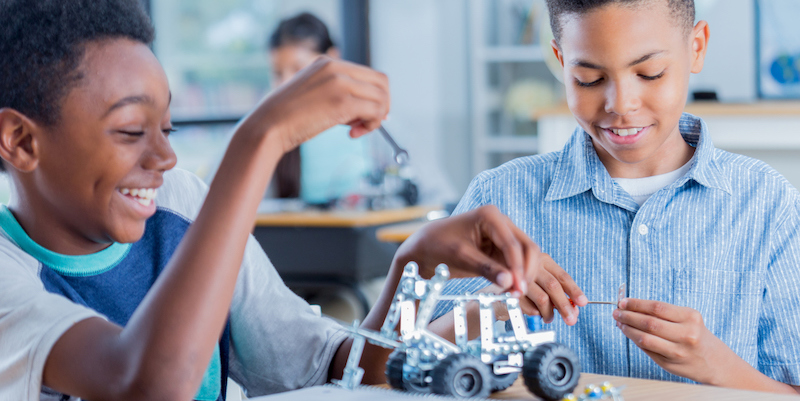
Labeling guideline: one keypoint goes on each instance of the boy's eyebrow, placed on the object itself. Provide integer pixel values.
(137, 99)
(586, 64)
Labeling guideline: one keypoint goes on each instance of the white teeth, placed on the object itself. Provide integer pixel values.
(626, 132)
(144, 196)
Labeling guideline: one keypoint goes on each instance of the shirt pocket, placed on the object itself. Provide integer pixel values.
(728, 300)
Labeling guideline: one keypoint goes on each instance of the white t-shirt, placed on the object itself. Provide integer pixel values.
(275, 342)
(641, 189)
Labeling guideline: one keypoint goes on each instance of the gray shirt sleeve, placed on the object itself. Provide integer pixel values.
(277, 342)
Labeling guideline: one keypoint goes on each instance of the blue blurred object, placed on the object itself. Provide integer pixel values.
(332, 165)
(534, 322)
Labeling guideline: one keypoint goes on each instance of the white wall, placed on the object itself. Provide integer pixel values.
(730, 66)
(421, 46)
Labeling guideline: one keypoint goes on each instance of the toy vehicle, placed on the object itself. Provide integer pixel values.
(425, 362)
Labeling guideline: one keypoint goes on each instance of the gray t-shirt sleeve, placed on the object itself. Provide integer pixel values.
(31, 321)
(277, 342)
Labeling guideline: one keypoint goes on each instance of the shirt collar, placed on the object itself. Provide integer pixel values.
(579, 169)
(68, 265)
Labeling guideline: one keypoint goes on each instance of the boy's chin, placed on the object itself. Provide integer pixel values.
(129, 234)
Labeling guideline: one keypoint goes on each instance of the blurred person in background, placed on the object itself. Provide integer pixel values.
(332, 165)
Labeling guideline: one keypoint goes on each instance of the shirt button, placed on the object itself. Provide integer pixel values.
(643, 229)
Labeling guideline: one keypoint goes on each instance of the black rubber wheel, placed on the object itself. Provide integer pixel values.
(394, 374)
(463, 376)
(502, 382)
(394, 369)
(551, 371)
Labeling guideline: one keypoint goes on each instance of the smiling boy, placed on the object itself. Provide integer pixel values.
(123, 279)
(706, 241)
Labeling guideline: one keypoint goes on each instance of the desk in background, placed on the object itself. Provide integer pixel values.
(397, 233)
(312, 249)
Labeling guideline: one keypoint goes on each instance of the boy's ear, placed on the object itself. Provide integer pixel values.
(557, 52)
(333, 53)
(699, 45)
(18, 146)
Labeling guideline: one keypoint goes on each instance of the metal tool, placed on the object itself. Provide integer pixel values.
(400, 154)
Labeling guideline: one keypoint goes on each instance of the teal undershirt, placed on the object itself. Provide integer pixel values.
(67, 265)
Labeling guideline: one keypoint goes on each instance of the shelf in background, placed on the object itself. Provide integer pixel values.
(511, 144)
(769, 108)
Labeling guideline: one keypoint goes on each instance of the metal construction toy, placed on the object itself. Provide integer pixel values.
(426, 363)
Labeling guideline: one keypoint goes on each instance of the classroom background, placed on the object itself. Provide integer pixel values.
(473, 84)
(471, 80)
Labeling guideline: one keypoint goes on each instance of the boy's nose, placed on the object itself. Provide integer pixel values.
(159, 156)
(621, 99)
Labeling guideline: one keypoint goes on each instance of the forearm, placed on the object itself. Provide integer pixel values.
(374, 358)
(173, 332)
(738, 374)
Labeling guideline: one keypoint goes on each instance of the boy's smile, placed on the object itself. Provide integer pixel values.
(627, 70)
(100, 165)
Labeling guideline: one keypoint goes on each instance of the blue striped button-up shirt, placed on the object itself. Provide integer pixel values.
(723, 239)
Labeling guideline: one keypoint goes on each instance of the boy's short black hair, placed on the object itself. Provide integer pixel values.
(303, 28)
(682, 11)
(42, 44)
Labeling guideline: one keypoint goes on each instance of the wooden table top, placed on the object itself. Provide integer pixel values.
(650, 390)
(319, 218)
(397, 233)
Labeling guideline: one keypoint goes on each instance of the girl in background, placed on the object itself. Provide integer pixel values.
(332, 164)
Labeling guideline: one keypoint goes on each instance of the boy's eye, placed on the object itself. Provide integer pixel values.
(652, 77)
(132, 133)
(588, 84)
(169, 130)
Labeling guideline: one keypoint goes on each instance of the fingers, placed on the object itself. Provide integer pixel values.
(649, 324)
(527, 307)
(648, 342)
(546, 289)
(686, 330)
(557, 296)
(365, 105)
(658, 309)
(569, 285)
(499, 229)
(359, 71)
(475, 261)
